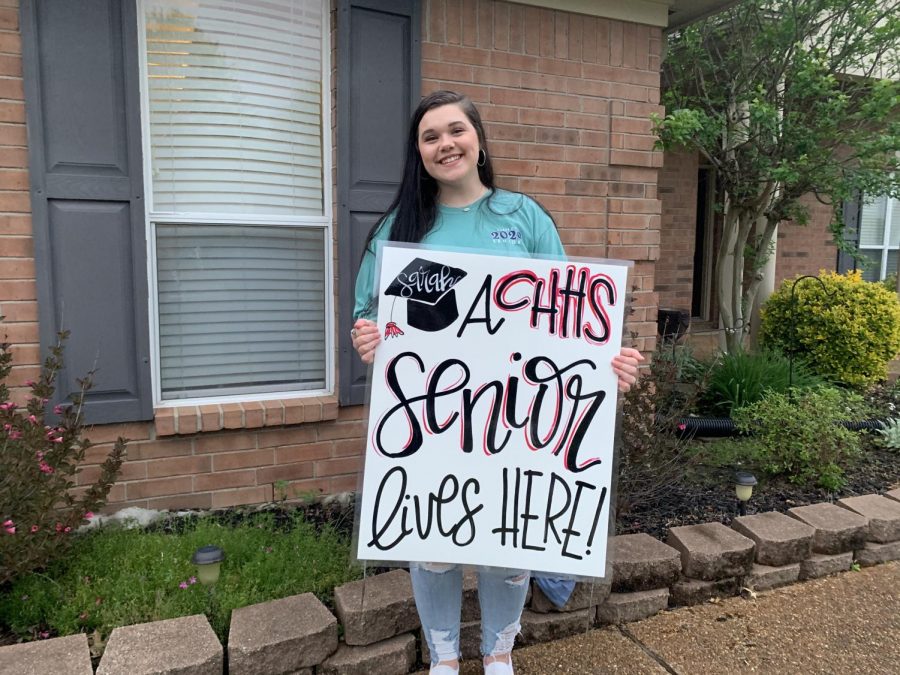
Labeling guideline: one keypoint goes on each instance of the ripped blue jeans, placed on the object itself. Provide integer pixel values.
(438, 591)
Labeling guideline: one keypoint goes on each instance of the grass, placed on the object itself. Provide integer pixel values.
(116, 577)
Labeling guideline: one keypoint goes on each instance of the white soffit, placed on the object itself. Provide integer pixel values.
(668, 14)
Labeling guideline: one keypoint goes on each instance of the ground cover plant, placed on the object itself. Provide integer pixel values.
(115, 576)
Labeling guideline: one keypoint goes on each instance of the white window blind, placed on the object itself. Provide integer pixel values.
(235, 106)
(879, 236)
(240, 309)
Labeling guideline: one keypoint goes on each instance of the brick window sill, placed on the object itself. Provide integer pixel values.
(192, 419)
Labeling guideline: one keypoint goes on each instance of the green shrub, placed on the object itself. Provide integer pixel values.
(847, 331)
(796, 434)
(740, 378)
(38, 462)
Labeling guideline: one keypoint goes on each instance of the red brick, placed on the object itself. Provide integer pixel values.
(273, 438)
(301, 489)
(520, 62)
(333, 467)
(187, 420)
(224, 442)
(232, 416)
(250, 495)
(434, 10)
(348, 483)
(224, 479)
(164, 421)
(159, 487)
(129, 471)
(14, 179)
(516, 28)
(201, 500)
(454, 21)
(210, 417)
(253, 414)
(19, 311)
(349, 447)
(11, 65)
(9, 19)
(271, 474)
(13, 111)
(475, 57)
(178, 466)
(274, 413)
(303, 452)
(12, 223)
(15, 268)
(242, 460)
(160, 449)
(135, 431)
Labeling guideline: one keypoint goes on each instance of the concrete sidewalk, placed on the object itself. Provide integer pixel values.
(849, 623)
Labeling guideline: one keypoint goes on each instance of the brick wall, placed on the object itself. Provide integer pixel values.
(18, 291)
(566, 99)
(678, 193)
(806, 249)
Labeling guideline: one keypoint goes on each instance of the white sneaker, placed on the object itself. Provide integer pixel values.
(499, 668)
(443, 669)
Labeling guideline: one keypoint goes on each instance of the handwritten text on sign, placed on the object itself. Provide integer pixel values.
(492, 411)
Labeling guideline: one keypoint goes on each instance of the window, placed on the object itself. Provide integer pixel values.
(235, 113)
(879, 236)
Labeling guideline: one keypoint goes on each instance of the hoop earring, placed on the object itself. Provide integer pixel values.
(482, 157)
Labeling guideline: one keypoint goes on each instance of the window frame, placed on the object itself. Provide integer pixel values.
(323, 222)
(885, 246)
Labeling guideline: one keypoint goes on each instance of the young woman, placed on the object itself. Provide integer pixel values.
(447, 197)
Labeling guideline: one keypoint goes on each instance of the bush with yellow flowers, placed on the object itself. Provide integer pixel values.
(844, 328)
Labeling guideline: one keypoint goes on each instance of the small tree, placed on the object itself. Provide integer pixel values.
(784, 98)
(39, 458)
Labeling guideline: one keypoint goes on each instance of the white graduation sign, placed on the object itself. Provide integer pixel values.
(492, 411)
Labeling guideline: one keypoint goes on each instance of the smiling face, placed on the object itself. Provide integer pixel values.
(448, 145)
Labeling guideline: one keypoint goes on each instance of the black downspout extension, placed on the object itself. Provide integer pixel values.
(724, 427)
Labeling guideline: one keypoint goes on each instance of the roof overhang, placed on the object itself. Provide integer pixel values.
(667, 14)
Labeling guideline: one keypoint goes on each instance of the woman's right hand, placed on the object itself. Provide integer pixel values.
(366, 337)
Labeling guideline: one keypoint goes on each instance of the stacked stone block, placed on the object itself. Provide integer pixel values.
(883, 540)
(837, 534)
(642, 571)
(782, 543)
(714, 560)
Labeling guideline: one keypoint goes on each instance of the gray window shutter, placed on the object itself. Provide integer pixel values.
(845, 261)
(84, 136)
(378, 87)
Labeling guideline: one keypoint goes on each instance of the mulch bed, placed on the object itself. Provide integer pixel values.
(707, 495)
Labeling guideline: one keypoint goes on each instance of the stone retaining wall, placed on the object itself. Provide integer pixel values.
(381, 629)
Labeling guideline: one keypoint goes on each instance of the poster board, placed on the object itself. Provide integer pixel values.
(492, 411)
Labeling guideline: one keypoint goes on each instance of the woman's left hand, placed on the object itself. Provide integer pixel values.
(625, 366)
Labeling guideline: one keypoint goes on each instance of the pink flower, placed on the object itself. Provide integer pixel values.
(15, 434)
(7, 426)
(29, 383)
(67, 530)
(183, 585)
(44, 634)
(45, 468)
(9, 405)
(59, 527)
(192, 581)
(39, 454)
(32, 419)
(58, 409)
(9, 526)
(34, 528)
(392, 330)
(682, 426)
(88, 515)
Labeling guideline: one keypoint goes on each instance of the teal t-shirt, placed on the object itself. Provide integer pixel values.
(505, 223)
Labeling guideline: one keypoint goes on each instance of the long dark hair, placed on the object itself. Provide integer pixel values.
(415, 203)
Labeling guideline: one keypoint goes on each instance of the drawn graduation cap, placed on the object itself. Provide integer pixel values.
(428, 287)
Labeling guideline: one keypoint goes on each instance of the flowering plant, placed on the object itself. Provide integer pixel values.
(40, 453)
